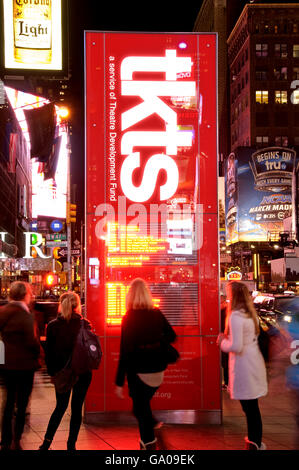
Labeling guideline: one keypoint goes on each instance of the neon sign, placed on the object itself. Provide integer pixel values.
(150, 92)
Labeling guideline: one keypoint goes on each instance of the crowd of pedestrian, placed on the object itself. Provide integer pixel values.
(145, 351)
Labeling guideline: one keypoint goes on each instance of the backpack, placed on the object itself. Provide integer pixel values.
(87, 352)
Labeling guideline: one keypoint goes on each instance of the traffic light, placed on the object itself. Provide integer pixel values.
(50, 280)
(71, 212)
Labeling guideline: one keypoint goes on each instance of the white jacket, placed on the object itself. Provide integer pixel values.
(247, 370)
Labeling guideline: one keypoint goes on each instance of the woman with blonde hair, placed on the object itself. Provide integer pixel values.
(61, 337)
(247, 370)
(141, 359)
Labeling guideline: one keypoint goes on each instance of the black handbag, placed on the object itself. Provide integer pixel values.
(65, 379)
(170, 353)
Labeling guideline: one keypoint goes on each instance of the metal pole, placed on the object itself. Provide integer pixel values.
(68, 227)
(82, 261)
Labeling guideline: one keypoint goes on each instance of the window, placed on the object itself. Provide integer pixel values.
(281, 96)
(261, 96)
(261, 50)
(281, 50)
(262, 119)
(261, 74)
(261, 140)
(281, 73)
(281, 141)
(295, 73)
(295, 28)
(296, 50)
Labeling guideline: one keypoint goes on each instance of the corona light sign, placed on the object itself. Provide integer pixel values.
(33, 34)
(151, 198)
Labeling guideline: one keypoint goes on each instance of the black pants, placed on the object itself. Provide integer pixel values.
(18, 386)
(141, 395)
(254, 420)
(62, 400)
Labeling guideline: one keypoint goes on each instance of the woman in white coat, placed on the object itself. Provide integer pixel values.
(247, 370)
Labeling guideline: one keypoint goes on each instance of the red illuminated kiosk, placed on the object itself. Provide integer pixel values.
(152, 208)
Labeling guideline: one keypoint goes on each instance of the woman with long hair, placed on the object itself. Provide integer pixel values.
(141, 360)
(247, 370)
(61, 337)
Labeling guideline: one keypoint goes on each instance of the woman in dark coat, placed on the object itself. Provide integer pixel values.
(61, 337)
(141, 358)
(22, 351)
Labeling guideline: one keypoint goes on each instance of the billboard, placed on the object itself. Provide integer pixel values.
(151, 147)
(48, 195)
(33, 36)
(258, 192)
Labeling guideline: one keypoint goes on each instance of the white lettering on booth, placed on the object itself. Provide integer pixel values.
(149, 92)
(154, 164)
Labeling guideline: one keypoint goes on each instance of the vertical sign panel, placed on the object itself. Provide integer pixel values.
(151, 200)
(33, 34)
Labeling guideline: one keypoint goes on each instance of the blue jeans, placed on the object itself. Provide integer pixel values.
(62, 400)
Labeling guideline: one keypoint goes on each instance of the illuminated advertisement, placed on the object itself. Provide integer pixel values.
(48, 195)
(151, 148)
(33, 34)
(258, 192)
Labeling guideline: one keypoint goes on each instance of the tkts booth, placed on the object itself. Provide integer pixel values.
(151, 205)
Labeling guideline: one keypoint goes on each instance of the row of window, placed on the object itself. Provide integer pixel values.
(264, 141)
(283, 27)
(280, 96)
(279, 73)
(280, 50)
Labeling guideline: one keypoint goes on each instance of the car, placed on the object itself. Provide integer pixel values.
(284, 308)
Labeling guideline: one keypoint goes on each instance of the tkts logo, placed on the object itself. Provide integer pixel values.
(273, 168)
(151, 92)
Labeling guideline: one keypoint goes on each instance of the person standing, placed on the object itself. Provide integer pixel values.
(141, 359)
(224, 355)
(22, 351)
(247, 370)
(61, 336)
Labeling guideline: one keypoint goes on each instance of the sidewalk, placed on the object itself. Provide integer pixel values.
(276, 408)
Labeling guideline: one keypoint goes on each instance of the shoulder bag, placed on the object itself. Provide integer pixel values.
(65, 379)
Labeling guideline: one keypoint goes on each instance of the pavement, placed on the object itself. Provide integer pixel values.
(279, 426)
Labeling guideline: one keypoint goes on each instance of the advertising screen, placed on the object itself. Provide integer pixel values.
(33, 34)
(258, 192)
(151, 200)
(48, 195)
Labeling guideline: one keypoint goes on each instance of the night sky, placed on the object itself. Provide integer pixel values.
(163, 16)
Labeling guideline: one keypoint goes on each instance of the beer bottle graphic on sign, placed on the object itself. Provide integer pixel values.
(32, 31)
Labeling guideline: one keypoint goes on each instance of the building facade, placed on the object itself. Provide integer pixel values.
(15, 193)
(263, 59)
(263, 62)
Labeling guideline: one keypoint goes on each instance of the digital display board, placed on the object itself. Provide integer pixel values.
(33, 36)
(151, 191)
(258, 192)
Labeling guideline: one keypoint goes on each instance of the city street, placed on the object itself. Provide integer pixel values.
(276, 408)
